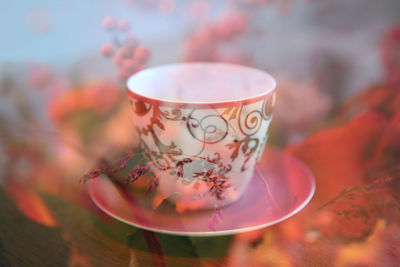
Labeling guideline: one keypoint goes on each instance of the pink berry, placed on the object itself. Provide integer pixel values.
(224, 30)
(130, 41)
(206, 33)
(123, 26)
(128, 64)
(126, 52)
(107, 50)
(239, 24)
(118, 59)
(139, 68)
(141, 54)
(122, 74)
(109, 23)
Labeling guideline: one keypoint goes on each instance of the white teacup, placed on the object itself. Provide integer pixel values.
(204, 126)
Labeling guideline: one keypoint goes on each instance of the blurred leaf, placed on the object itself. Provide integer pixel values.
(114, 229)
(341, 157)
(103, 244)
(207, 247)
(175, 248)
(26, 243)
(210, 247)
(384, 98)
(30, 203)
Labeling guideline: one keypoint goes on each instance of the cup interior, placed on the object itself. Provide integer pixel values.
(201, 83)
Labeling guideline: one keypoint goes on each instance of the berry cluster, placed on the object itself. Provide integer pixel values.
(126, 53)
(208, 39)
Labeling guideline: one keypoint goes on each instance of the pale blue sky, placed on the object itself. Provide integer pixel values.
(76, 28)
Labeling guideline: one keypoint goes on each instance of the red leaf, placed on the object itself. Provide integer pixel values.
(30, 203)
(340, 157)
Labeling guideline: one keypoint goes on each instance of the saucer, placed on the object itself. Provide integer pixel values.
(281, 186)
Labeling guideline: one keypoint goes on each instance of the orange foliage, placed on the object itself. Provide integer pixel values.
(30, 203)
(99, 97)
(347, 162)
(337, 157)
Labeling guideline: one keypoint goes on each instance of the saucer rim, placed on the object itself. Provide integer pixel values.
(210, 233)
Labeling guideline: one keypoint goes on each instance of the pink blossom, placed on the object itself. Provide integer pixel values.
(122, 74)
(207, 41)
(167, 6)
(224, 30)
(118, 59)
(126, 52)
(129, 64)
(130, 41)
(123, 26)
(128, 56)
(300, 105)
(107, 50)
(141, 54)
(109, 23)
(198, 9)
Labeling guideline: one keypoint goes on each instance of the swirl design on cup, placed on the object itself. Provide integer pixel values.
(268, 106)
(209, 129)
(251, 123)
(174, 114)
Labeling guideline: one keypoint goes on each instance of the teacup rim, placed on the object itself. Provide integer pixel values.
(199, 104)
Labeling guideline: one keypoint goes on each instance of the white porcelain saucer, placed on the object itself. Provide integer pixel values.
(285, 188)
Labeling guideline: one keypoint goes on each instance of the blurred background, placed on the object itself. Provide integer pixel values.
(63, 67)
(329, 49)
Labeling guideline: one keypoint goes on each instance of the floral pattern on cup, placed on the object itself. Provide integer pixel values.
(204, 145)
